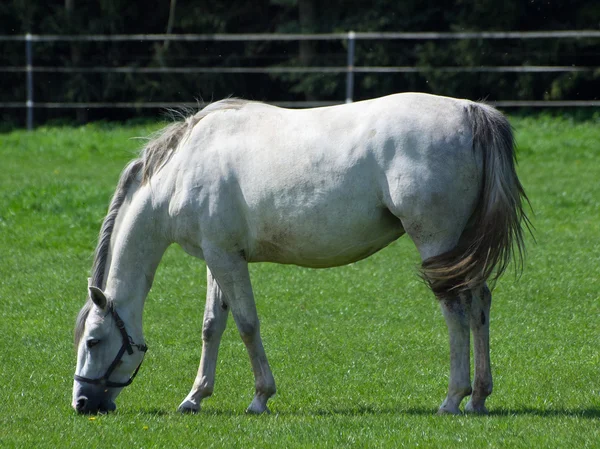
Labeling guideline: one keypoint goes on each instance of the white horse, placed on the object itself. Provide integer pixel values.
(242, 182)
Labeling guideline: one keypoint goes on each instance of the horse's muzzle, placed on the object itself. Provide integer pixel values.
(91, 406)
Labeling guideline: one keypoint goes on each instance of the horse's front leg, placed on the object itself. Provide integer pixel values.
(231, 273)
(456, 311)
(480, 326)
(215, 320)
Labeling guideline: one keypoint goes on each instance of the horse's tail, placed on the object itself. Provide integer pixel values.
(494, 235)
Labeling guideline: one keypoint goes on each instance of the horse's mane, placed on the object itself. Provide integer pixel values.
(164, 143)
(152, 158)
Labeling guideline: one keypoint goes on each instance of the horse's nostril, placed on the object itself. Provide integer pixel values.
(81, 403)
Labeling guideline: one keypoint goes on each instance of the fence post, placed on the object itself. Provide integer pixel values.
(29, 68)
(350, 68)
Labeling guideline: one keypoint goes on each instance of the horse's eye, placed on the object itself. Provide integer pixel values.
(92, 342)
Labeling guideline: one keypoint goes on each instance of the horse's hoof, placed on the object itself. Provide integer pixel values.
(258, 410)
(477, 410)
(188, 406)
(258, 406)
(443, 410)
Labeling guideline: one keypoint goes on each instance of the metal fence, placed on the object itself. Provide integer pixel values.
(350, 69)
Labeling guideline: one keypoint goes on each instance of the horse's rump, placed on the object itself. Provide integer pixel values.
(494, 232)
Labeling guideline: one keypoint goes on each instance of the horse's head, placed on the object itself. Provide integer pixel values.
(107, 357)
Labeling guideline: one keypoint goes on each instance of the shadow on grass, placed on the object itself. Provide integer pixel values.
(588, 413)
(585, 413)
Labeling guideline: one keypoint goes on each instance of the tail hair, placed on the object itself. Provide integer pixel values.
(494, 235)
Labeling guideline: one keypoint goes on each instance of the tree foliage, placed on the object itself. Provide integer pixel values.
(294, 16)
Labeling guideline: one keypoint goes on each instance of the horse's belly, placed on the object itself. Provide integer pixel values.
(323, 247)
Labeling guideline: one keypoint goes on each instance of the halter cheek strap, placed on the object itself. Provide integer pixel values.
(127, 345)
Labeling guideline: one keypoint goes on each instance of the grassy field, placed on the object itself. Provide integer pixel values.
(359, 353)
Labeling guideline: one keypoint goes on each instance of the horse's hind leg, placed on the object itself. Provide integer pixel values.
(480, 326)
(457, 311)
(432, 239)
(469, 310)
(215, 320)
(231, 273)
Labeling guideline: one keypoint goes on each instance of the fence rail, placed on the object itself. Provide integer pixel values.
(304, 37)
(350, 69)
(268, 70)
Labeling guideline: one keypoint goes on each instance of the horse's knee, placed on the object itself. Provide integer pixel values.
(247, 330)
(211, 328)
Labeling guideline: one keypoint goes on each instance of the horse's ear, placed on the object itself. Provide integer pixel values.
(97, 296)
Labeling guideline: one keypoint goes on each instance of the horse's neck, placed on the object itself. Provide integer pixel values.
(137, 247)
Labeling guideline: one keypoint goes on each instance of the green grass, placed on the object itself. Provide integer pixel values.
(359, 353)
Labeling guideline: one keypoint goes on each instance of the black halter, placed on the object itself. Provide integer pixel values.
(127, 345)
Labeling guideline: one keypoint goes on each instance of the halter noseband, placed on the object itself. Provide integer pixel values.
(127, 345)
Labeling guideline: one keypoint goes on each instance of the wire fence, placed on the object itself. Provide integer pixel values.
(349, 69)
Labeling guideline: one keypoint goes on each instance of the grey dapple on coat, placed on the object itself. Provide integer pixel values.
(243, 182)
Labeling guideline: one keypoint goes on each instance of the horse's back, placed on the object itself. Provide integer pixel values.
(323, 186)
